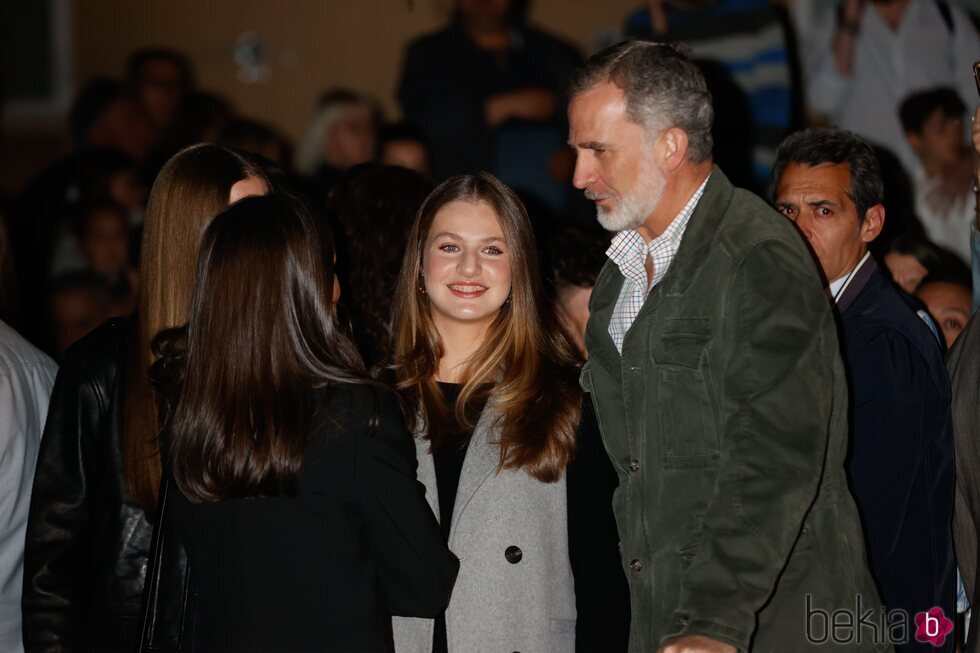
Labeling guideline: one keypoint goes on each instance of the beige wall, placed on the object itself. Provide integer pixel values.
(311, 44)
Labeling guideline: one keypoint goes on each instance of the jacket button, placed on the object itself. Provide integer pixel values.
(636, 565)
(634, 465)
(513, 554)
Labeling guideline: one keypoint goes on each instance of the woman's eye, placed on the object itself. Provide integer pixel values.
(493, 250)
(449, 247)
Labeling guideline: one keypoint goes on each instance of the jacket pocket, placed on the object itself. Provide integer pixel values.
(685, 414)
(687, 552)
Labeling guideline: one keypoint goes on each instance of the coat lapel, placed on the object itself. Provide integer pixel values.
(861, 278)
(699, 236)
(482, 458)
(426, 472)
(689, 261)
(601, 347)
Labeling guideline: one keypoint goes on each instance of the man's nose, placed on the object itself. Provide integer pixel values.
(584, 171)
(804, 225)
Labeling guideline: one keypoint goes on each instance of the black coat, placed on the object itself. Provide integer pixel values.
(900, 464)
(87, 538)
(324, 569)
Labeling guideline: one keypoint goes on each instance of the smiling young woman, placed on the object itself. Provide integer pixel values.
(483, 360)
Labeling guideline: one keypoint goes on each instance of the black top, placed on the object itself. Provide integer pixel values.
(323, 569)
(448, 461)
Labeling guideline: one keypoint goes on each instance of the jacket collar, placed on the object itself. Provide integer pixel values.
(481, 461)
(698, 238)
(862, 276)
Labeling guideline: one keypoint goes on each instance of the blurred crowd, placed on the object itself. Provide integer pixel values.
(113, 229)
(487, 92)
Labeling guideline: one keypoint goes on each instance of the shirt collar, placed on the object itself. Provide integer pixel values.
(838, 286)
(629, 251)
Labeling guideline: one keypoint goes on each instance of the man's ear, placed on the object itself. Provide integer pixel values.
(673, 148)
(874, 222)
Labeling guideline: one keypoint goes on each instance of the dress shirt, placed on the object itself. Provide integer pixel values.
(26, 377)
(629, 251)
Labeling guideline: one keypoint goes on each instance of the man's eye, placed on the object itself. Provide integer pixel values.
(824, 211)
(952, 324)
(786, 210)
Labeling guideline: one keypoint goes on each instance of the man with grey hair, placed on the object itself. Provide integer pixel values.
(715, 372)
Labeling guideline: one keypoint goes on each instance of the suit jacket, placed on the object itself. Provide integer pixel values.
(324, 569)
(900, 463)
(515, 590)
(963, 363)
(726, 419)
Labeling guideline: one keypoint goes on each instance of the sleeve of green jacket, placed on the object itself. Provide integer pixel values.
(777, 391)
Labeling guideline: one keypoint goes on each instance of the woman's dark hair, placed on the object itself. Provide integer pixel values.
(261, 343)
(373, 207)
(192, 188)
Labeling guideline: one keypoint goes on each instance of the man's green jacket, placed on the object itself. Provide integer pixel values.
(726, 419)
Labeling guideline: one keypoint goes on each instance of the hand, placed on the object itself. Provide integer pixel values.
(527, 104)
(697, 644)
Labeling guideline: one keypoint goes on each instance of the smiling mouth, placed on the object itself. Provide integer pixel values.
(467, 290)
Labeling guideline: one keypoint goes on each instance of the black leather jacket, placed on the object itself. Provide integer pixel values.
(87, 539)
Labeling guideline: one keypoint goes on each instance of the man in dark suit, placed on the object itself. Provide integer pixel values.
(900, 462)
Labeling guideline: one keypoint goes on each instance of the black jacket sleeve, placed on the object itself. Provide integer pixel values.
(58, 546)
(415, 568)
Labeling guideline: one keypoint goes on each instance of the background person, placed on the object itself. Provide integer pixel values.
(26, 377)
(98, 468)
(900, 458)
(943, 178)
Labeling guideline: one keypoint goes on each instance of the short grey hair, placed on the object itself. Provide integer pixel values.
(663, 89)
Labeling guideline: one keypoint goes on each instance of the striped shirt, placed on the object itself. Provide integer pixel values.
(629, 252)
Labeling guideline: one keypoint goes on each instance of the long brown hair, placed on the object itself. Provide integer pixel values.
(526, 355)
(261, 342)
(190, 190)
